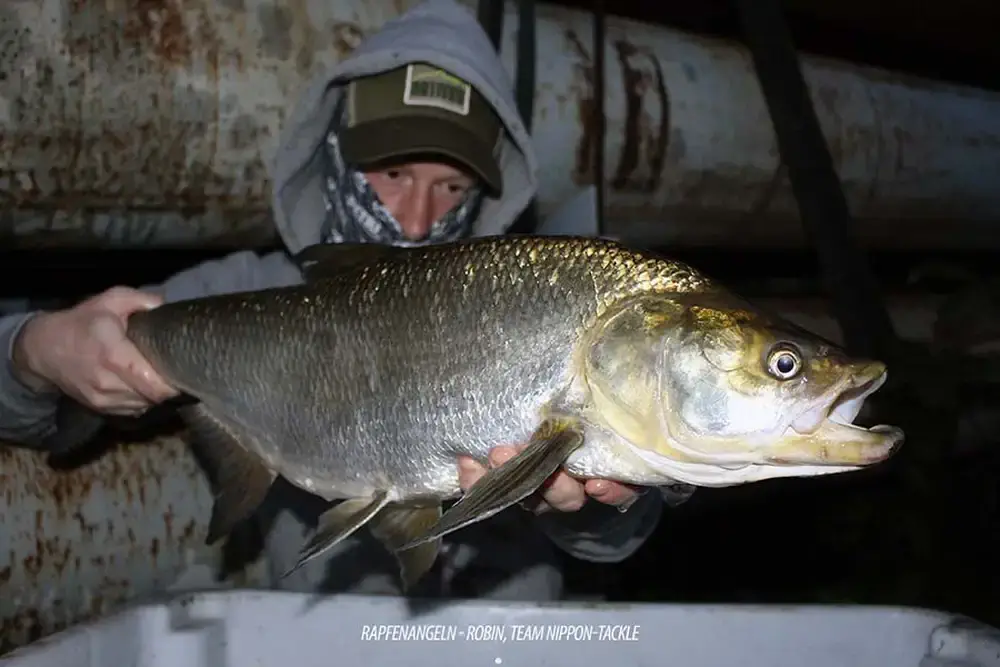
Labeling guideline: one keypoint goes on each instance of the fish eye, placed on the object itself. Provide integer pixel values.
(784, 362)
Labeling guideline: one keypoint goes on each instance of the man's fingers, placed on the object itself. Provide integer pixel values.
(469, 472)
(560, 491)
(111, 395)
(600, 489)
(611, 493)
(148, 382)
(500, 455)
(123, 301)
(126, 361)
(565, 493)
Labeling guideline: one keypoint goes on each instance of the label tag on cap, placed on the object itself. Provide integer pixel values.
(431, 87)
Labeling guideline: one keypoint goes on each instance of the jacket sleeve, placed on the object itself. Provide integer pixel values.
(28, 417)
(600, 533)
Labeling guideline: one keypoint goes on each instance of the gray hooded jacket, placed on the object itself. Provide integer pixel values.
(443, 33)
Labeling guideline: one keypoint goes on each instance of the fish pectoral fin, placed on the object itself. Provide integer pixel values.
(337, 523)
(328, 259)
(395, 526)
(515, 480)
(240, 478)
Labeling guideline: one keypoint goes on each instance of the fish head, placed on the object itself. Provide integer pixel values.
(720, 392)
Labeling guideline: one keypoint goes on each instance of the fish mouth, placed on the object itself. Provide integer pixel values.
(830, 436)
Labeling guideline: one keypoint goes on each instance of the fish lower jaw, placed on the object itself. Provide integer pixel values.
(834, 443)
(722, 474)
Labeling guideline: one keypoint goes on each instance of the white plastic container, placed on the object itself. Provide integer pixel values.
(276, 629)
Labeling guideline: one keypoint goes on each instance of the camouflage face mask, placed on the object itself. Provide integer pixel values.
(355, 214)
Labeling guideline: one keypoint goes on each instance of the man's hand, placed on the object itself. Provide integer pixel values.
(84, 352)
(561, 492)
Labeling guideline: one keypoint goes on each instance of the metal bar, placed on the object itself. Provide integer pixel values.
(150, 124)
(527, 61)
(821, 202)
(524, 92)
(600, 117)
(490, 15)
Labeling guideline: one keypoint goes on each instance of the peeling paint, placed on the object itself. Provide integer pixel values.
(151, 122)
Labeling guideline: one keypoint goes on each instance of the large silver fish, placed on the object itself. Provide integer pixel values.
(367, 381)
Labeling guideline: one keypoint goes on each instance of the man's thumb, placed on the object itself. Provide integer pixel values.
(123, 301)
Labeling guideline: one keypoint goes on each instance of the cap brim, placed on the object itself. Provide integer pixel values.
(389, 139)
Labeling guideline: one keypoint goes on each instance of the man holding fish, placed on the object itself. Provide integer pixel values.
(412, 140)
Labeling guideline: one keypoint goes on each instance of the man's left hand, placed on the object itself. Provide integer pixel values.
(560, 492)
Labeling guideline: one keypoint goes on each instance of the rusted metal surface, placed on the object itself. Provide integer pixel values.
(79, 543)
(150, 122)
(693, 160)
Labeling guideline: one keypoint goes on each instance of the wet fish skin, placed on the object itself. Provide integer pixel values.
(327, 368)
(366, 382)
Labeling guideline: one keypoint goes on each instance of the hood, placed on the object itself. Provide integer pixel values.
(443, 33)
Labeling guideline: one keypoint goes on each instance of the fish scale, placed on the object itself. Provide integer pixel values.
(468, 384)
(365, 382)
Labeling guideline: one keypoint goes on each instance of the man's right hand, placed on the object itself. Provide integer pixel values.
(84, 352)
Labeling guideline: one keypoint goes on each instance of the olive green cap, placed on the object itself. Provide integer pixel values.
(418, 110)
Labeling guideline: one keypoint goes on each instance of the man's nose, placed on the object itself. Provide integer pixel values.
(416, 214)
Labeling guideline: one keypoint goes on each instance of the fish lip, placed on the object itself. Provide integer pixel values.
(882, 442)
(870, 446)
(848, 444)
(846, 407)
(850, 398)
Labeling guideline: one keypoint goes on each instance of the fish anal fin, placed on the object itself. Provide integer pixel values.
(549, 447)
(396, 525)
(240, 478)
(328, 259)
(338, 523)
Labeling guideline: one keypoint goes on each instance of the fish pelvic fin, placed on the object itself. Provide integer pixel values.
(549, 447)
(396, 525)
(323, 260)
(338, 523)
(240, 478)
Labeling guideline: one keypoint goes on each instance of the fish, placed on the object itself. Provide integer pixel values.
(364, 383)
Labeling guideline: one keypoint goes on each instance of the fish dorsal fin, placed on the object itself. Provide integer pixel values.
(329, 259)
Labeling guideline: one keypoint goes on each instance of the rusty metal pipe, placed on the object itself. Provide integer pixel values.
(80, 543)
(127, 123)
